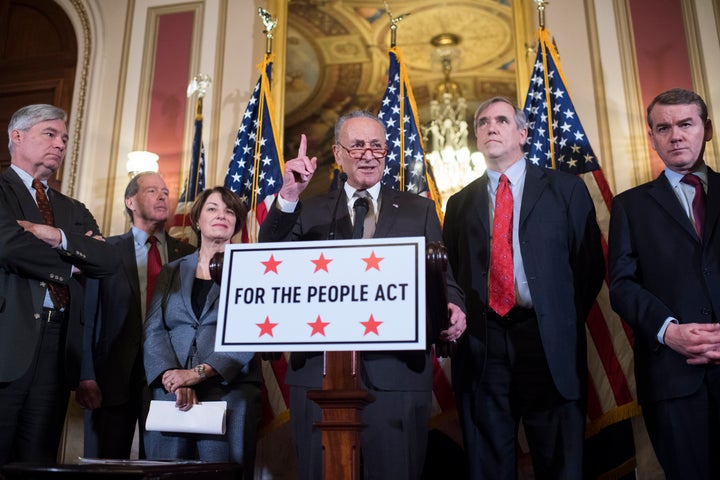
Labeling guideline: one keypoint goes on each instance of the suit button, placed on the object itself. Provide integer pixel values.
(705, 311)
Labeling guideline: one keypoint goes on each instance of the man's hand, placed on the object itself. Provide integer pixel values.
(457, 322)
(89, 233)
(46, 233)
(88, 394)
(699, 342)
(298, 173)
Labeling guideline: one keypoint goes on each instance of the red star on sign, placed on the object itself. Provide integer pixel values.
(318, 326)
(321, 263)
(371, 326)
(373, 262)
(266, 328)
(271, 265)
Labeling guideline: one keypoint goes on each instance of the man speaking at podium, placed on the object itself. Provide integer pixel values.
(394, 443)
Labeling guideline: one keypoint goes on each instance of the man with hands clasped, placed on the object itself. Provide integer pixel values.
(394, 443)
(112, 387)
(664, 265)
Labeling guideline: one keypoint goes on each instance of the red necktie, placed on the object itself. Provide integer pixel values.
(59, 293)
(699, 201)
(502, 280)
(154, 264)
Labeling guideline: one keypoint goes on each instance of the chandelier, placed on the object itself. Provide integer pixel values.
(446, 135)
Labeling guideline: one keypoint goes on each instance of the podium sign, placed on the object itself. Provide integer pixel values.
(338, 295)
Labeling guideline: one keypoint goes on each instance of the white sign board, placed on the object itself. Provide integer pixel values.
(335, 295)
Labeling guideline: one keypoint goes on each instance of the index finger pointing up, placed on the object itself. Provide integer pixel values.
(302, 149)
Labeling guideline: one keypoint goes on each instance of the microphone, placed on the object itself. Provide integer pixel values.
(342, 178)
(361, 207)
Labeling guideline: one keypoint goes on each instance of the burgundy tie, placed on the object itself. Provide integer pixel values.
(154, 264)
(59, 293)
(502, 281)
(699, 201)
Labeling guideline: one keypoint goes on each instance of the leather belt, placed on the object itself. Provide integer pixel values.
(52, 315)
(516, 315)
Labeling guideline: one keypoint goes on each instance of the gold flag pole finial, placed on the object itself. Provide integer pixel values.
(541, 12)
(393, 24)
(200, 84)
(270, 24)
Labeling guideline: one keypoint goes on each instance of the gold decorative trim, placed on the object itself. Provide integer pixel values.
(697, 70)
(217, 88)
(76, 132)
(523, 15)
(638, 147)
(605, 149)
(279, 9)
(110, 206)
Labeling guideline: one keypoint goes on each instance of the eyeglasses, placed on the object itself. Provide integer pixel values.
(358, 152)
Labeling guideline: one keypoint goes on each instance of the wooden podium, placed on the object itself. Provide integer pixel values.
(342, 400)
(342, 397)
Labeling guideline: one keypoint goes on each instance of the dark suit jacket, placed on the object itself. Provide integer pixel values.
(27, 264)
(659, 268)
(401, 214)
(563, 260)
(113, 332)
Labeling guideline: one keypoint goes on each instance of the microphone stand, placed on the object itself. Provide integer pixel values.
(342, 177)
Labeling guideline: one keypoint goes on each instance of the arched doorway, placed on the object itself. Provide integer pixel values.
(38, 58)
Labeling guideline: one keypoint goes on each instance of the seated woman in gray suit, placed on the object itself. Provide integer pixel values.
(180, 361)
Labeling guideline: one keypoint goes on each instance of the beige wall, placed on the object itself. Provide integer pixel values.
(593, 38)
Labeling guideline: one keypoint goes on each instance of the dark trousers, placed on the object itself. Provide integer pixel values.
(109, 430)
(685, 432)
(33, 407)
(517, 385)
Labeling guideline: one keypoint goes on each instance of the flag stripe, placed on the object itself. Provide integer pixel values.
(255, 174)
(556, 139)
(193, 185)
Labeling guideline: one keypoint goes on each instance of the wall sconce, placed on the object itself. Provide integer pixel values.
(142, 161)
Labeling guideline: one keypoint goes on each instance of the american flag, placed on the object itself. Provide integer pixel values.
(556, 139)
(407, 169)
(194, 184)
(405, 165)
(255, 173)
(255, 169)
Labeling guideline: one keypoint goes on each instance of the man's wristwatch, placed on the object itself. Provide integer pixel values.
(200, 370)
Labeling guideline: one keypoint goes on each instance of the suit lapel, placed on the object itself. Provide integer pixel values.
(129, 265)
(27, 208)
(481, 209)
(61, 214)
(662, 192)
(535, 183)
(713, 206)
(173, 248)
(390, 206)
(187, 277)
(343, 226)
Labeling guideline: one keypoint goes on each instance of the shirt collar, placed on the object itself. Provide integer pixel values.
(374, 191)
(26, 178)
(674, 177)
(514, 173)
(141, 236)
